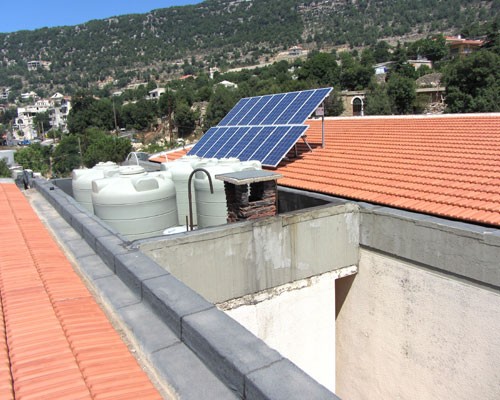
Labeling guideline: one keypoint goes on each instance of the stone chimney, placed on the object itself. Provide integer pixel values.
(250, 194)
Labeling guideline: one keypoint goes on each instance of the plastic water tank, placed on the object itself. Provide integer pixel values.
(136, 203)
(180, 170)
(82, 181)
(212, 208)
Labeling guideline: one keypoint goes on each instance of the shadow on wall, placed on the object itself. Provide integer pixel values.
(342, 288)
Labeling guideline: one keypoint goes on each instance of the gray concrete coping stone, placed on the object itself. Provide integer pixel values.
(135, 267)
(172, 300)
(174, 365)
(108, 247)
(114, 292)
(141, 291)
(93, 267)
(151, 333)
(283, 380)
(226, 347)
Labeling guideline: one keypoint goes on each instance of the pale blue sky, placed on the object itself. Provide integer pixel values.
(34, 14)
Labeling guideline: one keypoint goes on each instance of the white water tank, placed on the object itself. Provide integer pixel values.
(136, 203)
(212, 208)
(82, 181)
(180, 170)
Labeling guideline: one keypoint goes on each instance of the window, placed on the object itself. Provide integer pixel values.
(357, 106)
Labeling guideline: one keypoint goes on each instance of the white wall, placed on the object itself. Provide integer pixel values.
(405, 332)
(298, 320)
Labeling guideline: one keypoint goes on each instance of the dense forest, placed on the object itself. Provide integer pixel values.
(218, 33)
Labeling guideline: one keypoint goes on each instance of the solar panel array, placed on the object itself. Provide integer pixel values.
(262, 128)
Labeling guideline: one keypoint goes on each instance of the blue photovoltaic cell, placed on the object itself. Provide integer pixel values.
(235, 110)
(249, 137)
(246, 150)
(274, 157)
(205, 139)
(235, 136)
(287, 116)
(262, 128)
(211, 146)
(271, 104)
(277, 111)
(243, 110)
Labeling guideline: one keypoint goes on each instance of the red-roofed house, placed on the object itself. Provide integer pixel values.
(460, 47)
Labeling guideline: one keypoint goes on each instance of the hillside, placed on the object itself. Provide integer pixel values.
(220, 33)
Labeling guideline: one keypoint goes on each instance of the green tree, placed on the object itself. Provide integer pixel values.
(381, 51)
(221, 102)
(354, 75)
(105, 147)
(400, 64)
(433, 48)
(88, 112)
(4, 169)
(185, 119)
(66, 156)
(402, 94)
(320, 69)
(334, 106)
(42, 122)
(377, 101)
(473, 83)
(34, 157)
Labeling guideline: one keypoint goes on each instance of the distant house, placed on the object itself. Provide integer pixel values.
(156, 93)
(34, 65)
(58, 107)
(228, 84)
(420, 62)
(295, 51)
(4, 94)
(29, 95)
(460, 47)
(382, 68)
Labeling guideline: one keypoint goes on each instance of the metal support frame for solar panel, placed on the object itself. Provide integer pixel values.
(263, 128)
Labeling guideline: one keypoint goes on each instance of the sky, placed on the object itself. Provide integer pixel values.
(34, 14)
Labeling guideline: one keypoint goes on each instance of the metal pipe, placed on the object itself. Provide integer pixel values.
(189, 192)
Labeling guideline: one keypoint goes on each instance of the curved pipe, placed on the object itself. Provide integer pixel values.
(189, 192)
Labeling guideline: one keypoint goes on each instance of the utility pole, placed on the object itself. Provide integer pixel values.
(80, 151)
(114, 115)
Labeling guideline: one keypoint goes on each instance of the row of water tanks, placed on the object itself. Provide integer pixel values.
(141, 204)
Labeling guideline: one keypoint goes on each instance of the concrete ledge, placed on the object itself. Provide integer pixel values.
(282, 380)
(114, 292)
(174, 365)
(434, 242)
(226, 347)
(244, 363)
(108, 247)
(172, 300)
(134, 268)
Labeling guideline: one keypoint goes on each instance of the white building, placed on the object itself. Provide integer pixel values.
(58, 108)
(155, 93)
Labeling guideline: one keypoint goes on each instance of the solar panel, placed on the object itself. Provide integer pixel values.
(291, 108)
(262, 128)
(267, 144)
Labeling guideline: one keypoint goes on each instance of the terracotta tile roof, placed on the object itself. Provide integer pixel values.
(171, 155)
(442, 165)
(55, 341)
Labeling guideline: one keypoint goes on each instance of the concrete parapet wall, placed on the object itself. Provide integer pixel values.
(228, 262)
(407, 332)
(460, 249)
(247, 366)
(419, 320)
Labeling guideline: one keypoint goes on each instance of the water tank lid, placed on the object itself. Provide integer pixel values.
(132, 170)
(105, 165)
